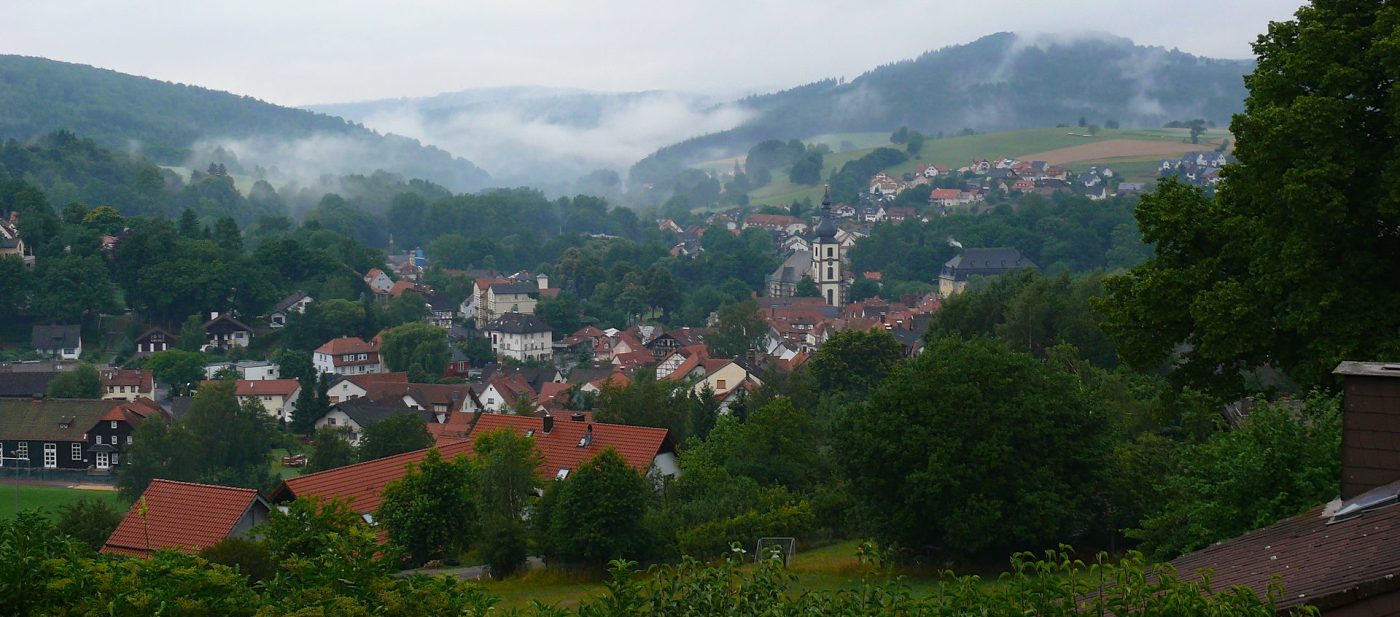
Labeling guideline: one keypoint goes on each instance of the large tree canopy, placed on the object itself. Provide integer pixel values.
(1293, 264)
(974, 450)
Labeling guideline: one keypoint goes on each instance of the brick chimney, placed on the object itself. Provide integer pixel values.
(1370, 425)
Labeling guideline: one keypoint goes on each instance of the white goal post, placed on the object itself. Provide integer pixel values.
(776, 546)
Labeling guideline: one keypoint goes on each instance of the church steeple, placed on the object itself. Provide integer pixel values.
(826, 228)
(826, 256)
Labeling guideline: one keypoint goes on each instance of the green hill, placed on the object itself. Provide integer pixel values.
(177, 124)
(997, 83)
(1133, 161)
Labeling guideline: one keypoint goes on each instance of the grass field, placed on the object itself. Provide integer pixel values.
(1137, 151)
(829, 568)
(49, 498)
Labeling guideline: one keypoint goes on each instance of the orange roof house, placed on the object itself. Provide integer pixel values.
(186, 517)
(564, 446)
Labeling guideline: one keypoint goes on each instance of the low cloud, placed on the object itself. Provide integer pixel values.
(553, 144)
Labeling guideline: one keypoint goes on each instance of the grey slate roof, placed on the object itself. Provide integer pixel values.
(985, 262)
(26, 384)
(515, 288)
(796, 266)
(517, 323)
(288, 301)
(56, 336)
(367, 414)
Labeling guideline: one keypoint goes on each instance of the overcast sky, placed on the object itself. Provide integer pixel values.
(297, 52)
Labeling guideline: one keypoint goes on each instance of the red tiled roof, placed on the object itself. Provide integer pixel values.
(686, 366)
(944, 194)
(362, 484)
(638, 445)
(550, 390)
(614, 379)
(266, 387)
(133, 413)
(402, 286)
(347, 345)
(634, 359)
(128, 377)
(364, 380)
(1314, 559)
(180, 515)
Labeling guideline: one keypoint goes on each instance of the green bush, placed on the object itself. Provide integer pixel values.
(250, 558)
(716, 537)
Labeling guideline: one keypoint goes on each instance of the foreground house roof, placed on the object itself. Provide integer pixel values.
(181, 515)
(362, 483)
(1319, 561)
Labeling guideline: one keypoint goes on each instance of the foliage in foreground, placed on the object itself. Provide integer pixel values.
(342, 573)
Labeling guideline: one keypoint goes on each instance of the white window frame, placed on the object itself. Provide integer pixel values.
(22, 449)
(77, 451)
(50, 455)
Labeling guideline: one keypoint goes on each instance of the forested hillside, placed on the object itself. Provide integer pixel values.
(171, 122)
(998, 82)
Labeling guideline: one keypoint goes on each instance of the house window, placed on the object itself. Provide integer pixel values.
(114, 424)
(99, 440)
(22, 449)
(50, 455)
(77, 452)
(330, 421)
(362, 356)
(719, 383)
(128, 440)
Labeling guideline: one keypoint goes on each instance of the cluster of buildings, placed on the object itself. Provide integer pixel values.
(1196, 168)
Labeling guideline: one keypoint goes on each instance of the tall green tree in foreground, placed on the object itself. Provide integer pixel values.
(1278, 463)
(974, 449)
(1293, 264)
(595, 514)
(431, 512)
(508, 466)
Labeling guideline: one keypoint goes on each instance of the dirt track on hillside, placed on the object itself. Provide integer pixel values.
(1113, 148)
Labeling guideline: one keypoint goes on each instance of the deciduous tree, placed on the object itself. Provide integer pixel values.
(1292, 264)
(394, 435)
(81, 382)
(594, 515)
(976, 450)
(431, 511)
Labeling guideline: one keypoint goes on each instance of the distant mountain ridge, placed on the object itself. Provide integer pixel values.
(998, 82)
(178, 124)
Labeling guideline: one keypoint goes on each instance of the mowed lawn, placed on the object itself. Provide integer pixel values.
(50, 498)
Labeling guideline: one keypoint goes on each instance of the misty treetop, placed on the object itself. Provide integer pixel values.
(174, 124)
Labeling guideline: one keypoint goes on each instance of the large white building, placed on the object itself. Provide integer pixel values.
(520, 337)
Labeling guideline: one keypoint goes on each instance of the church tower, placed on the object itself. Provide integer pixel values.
(826, 256)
